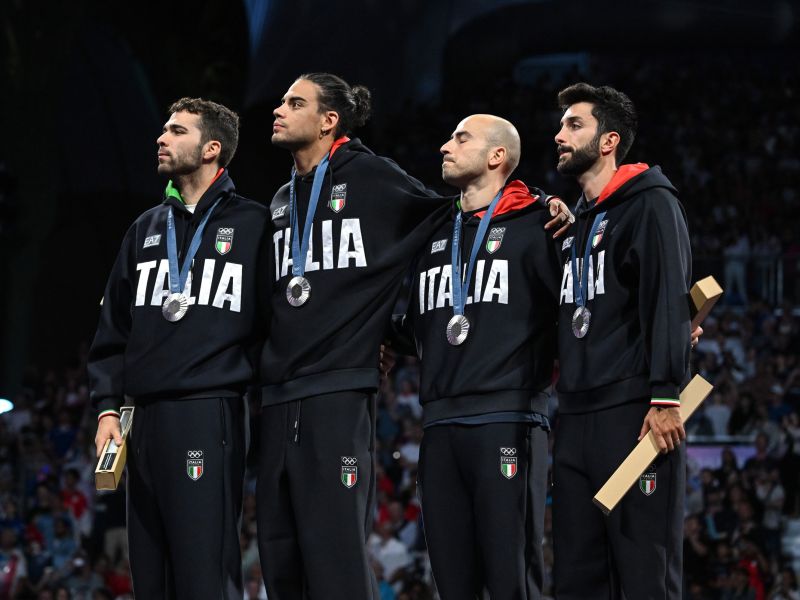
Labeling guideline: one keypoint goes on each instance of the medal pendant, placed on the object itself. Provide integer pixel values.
(175, 307)
(581, 319)
(457, 330)
(298, 291)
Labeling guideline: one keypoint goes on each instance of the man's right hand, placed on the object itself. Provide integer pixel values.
(107, 428)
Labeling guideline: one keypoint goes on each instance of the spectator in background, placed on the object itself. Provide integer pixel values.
(75, 502)
(738, 587)
(13, 567)
(390, 552)
(719, 414)
(785, 587)
(408, 398)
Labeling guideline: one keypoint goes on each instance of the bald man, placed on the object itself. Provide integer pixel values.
(487, 351)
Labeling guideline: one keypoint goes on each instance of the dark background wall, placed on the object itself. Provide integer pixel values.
(85, 86)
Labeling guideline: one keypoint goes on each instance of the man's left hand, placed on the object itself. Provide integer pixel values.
(667, 427)
(561, 216)
(698, 331)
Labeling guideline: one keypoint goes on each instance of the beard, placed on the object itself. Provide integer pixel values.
(183, 164)
(581, 160)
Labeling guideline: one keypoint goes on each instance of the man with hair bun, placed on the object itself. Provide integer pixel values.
(624, 339)
(181, 326)
(357, 220)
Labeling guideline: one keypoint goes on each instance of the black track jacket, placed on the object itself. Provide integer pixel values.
(638, 343)
(138, 353)
(371, 219)
(511, 304)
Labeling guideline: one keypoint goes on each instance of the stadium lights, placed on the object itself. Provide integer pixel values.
(5, 405)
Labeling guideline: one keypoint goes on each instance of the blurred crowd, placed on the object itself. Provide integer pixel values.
(738, 170)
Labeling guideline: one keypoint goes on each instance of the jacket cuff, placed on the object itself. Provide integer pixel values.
(108, 406)
(664, 395)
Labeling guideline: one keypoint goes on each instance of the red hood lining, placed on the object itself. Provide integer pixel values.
(515, 196)
(623, 175)
(338, 144)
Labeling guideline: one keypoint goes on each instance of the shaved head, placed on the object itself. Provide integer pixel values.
(481, 146)
(500, 132)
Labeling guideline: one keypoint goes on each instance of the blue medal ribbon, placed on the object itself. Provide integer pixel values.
(580, 284)
(460, 286)
(177, 281)
(300, 250)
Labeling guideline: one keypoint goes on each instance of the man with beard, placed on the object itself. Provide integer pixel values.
(486, 350)
(180, 329)
(624, 340)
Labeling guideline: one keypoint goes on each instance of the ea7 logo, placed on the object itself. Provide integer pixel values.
(152, 240)
(438, 246)
(279, 212)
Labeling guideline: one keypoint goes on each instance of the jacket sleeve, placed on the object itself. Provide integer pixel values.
(106, 364)
(664, 257)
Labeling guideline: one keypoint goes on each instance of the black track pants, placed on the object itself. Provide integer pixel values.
(186, 461)
(635, 553)
(483, 491)
(315, 496)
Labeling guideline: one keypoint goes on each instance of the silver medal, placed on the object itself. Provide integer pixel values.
(175, 307)
(457, 330)
(298, 291)
(580, 321)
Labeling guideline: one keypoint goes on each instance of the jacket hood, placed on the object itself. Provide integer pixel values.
(221, 184)
(342, 152)
(628, 181)
(516, 196)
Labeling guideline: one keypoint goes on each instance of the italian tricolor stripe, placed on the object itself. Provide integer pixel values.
(667, 402)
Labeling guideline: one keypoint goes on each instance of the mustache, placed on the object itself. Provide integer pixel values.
(561, 148)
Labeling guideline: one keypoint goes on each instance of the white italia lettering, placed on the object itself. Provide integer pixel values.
(144, 276)
(497, 282)
(445, 288)
(596, 279)
(351, 229)
(327, 245)
(231, 278)
(187, 289)
(311, 264)
(478, 280)
(348, 252)
(436, 285)
(287, 243)
(566, 285)
(432, 273)
(599, 283)
(161, 288)
(276, 239)
(205, 282)
(422, 293)
(228, 289)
